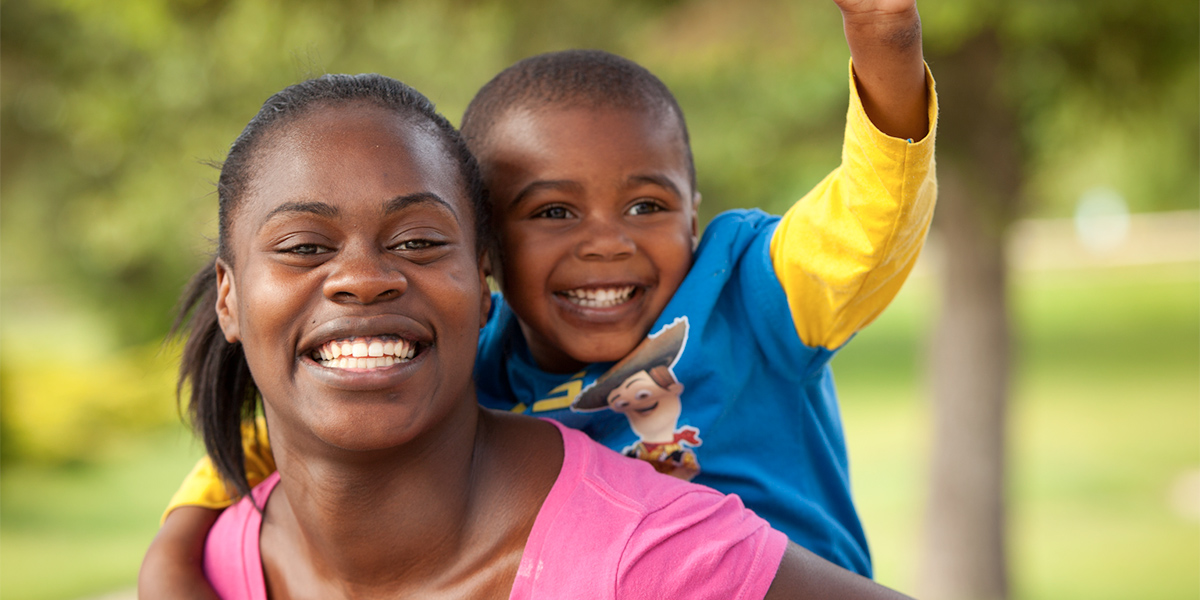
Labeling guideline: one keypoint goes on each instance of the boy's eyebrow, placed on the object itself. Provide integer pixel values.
(655, 179)
(553, 185)
(402, 202)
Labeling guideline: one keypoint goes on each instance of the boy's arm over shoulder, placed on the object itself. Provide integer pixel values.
(173, 565)
(843, 251)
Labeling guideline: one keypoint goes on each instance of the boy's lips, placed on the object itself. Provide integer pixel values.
(600, 296)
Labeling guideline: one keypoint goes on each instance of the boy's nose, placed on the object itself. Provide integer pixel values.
(604, 240)
(364, 277)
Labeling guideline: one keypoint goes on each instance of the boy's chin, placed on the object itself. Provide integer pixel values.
(578, 356)
(604, 352)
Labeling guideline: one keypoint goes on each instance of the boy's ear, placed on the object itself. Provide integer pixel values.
(695, 217)
(227, 315)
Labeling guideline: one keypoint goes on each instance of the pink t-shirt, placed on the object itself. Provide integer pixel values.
(610, 528)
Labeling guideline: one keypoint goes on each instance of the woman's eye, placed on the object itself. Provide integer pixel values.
(553, 212)
(644, 207)
(306, 249)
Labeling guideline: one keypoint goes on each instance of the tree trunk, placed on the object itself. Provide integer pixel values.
(979, 172)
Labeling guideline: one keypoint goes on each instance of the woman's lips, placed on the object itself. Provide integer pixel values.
(372, 352)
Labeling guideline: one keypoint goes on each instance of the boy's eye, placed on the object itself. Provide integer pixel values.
(643, 207)
(553, 212)
(415, 245)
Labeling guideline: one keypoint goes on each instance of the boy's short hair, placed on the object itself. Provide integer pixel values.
(586, 78)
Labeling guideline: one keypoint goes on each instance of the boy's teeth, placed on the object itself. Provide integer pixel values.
(600, 297)
(364, 353)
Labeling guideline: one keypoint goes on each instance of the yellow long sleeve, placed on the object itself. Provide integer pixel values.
(204, 487)
(843, 251)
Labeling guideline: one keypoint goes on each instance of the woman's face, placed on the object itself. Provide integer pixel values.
(355, 288)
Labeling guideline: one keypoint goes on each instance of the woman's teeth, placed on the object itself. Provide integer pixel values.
(364, 353)
(599, 297)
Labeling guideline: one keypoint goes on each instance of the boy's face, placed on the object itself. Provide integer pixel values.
(596, 219)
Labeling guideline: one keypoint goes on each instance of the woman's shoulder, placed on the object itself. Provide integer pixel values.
(614, 519)
(629, 482)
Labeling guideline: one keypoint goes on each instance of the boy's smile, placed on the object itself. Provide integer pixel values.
(596, 218)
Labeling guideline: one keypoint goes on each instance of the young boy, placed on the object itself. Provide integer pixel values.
(587, 160)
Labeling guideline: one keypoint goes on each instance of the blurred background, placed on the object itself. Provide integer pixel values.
(1058, 299)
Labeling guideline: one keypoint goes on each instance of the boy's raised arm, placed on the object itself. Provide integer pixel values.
(885, 45)
(843, 251)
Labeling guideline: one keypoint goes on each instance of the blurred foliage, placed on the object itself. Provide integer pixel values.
(110, 111)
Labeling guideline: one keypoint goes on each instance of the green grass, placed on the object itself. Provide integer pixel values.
(1105, 419)
(1106, 416)
(78, 531)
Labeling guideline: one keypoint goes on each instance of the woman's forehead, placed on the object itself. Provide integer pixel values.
(354, 151)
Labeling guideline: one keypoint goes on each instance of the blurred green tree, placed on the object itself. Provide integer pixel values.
(1031, 92)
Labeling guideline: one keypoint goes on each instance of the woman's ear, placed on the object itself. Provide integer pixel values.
(227, 315)
(485, 301)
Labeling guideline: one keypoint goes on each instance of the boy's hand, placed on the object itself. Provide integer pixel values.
(883, 7)
(885, 42)
(174, 564)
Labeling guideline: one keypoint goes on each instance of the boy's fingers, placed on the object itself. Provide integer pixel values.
(875, 7)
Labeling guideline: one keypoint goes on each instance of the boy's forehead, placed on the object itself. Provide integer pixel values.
(646, 121)
(565, 133)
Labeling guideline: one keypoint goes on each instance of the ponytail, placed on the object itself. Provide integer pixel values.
(223, 395)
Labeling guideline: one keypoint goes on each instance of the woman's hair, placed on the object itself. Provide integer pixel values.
(223, 393)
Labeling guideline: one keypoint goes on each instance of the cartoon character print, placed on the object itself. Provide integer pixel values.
(644, 389)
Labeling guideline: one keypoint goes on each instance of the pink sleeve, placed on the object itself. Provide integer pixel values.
(701, 546)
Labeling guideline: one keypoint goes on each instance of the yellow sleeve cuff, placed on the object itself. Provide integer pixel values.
(843, 251)
(204, 486)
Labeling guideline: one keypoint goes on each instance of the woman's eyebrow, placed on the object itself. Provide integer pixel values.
(320, 209)
(402, 202)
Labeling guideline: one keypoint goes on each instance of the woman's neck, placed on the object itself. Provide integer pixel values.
(417, 517)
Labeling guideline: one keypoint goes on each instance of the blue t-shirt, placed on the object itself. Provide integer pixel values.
(757, 410)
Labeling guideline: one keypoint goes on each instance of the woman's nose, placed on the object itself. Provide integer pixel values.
(604, 239)
(364, 276)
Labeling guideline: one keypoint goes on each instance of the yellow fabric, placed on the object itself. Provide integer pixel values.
(204, 487)
(843, 251)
